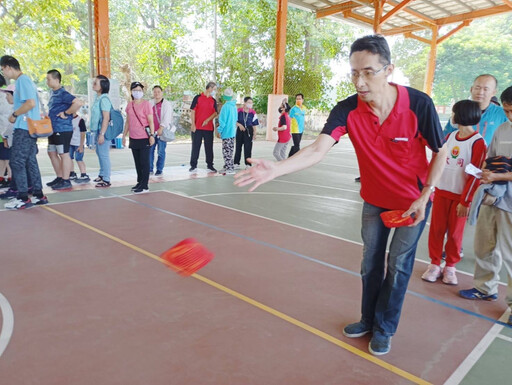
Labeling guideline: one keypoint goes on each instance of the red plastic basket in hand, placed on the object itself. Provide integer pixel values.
(187, 256)
(394, 218)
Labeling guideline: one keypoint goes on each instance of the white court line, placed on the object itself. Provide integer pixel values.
(277, 193)
(315, 185)
(7, 323)
(473, 357)
(505, 338)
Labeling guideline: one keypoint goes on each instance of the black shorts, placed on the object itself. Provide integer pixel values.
(59, 142)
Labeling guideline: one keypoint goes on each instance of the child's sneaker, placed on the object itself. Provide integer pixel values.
(449, 276)
(18, 204)
(72, 175)
(84, 178)
(432, 274)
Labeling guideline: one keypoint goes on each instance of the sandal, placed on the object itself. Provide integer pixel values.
(103, 183)
(98, 179)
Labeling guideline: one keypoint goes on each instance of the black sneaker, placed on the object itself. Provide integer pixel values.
(136, 187)
(64, 184)
(212, 169)
(72, 175)
(54, 182)
(18, 204)
(39, 201)
(192, 169)
(158, 173)
(140, 190)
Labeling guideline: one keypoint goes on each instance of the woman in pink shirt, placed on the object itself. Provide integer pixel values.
(139, 124)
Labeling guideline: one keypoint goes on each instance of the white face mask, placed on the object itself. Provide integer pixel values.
(213, 94)
(249, 105)
(137, 94)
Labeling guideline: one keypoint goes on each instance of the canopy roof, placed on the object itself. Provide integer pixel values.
(402, 16)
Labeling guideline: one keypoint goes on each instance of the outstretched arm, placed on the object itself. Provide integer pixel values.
(264, 170)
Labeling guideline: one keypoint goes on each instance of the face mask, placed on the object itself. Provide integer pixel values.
(137, 94)
(299, 102)
(226, 98)
(213, 94)
(249, 105)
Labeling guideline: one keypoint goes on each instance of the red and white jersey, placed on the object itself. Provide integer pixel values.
(461, 152)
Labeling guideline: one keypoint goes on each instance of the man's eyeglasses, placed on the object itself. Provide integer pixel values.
(366, 74)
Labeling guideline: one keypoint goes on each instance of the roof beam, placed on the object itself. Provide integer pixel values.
(413, 13)
(337, 8)
(419, 38)
(508, 2)
(400, 30)
(356, 16)
(395, 10)
(465, 23)
(474, 15)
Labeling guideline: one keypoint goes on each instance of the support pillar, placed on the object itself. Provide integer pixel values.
(431, 67)
(102, 37)
(379, 6)
(275, 99)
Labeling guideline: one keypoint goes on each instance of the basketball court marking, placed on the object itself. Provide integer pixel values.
(327, 337)
(7, 323)
(470, 361)
(308, 258)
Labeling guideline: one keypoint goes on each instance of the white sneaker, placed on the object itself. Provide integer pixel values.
(230, 172)
(449, 276)
(432, 274)
(18, 204)
(237, 167)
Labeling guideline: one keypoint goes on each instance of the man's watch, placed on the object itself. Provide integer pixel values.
(14, 115)
(431, 187)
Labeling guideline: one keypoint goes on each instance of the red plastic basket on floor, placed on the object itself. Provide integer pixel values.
(187, 256)
(394, 218)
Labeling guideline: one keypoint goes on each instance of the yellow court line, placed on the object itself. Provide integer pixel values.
(259, 305)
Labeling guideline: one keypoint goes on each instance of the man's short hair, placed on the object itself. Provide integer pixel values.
(487, 75)
(9, 61)
(247, 98)
(301, 95)
(211, 85)
(55, 74)
(375, 44)
(157, 86)
(104, 84)
(466, 112)
(2, 81)
(506, 96)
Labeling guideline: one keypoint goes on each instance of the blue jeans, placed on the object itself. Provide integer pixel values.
(103, 152)
(160, 162)
(384, 288)
(25, 169)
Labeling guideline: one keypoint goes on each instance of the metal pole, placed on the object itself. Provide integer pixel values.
(215, 41)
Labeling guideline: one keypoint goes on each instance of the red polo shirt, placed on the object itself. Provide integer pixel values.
(204, 106)
(392, 157)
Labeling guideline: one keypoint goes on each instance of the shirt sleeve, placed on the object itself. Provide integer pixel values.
(477, 159)
(194, 102)
(215, 105)
(429, 125)
(148, 110)
(336, 125)
(293, 112)
(26, 90)
(67, 98)
(255, 121)
(282, 121)
(81, 125)
(105, 104)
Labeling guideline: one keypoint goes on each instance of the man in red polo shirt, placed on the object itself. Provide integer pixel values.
(389, 126)
(204, 110)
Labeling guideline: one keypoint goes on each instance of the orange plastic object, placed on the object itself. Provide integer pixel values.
(394, 218)
(187, 256)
